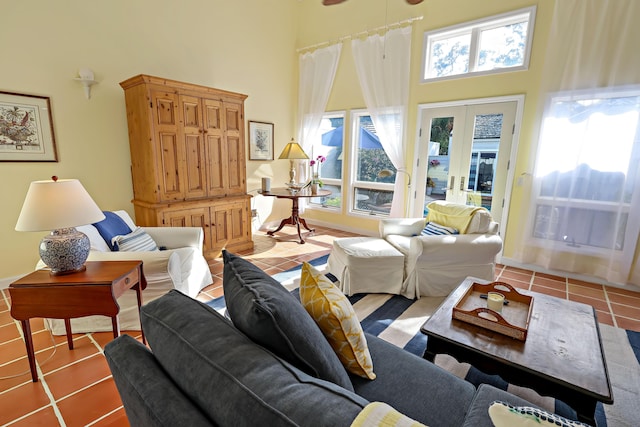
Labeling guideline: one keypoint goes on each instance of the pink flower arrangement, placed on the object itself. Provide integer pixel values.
(315, 168)
(434, 162)
(319, 159)
(317, 162)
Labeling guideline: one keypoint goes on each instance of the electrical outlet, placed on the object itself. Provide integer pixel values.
(254, 213)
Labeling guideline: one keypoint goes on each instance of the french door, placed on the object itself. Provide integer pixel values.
(464, 154)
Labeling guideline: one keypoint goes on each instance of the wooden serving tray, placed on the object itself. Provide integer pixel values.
(515, 316)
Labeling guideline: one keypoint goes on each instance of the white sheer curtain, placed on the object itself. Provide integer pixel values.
(585, 192)
(317, 71)
(382, 64)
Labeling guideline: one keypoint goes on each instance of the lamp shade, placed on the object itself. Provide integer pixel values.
(55, 204)
(293, 150)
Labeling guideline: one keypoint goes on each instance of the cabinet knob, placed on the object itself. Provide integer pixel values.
(126, 281)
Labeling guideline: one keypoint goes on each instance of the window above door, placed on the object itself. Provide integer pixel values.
(496, 44)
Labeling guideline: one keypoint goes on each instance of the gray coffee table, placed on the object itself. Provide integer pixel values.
(561, 357)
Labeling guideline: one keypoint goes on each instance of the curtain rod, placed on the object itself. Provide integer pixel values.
(361, 33)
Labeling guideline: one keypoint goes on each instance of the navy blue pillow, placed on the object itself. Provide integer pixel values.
(110, 227)
(266, 312)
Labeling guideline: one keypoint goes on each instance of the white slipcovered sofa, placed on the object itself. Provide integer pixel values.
(180, 266)
(434, 265)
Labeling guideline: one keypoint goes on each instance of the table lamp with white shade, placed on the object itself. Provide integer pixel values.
(293, 151)
(60, 205)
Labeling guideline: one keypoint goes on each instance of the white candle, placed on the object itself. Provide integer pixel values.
(495, 301)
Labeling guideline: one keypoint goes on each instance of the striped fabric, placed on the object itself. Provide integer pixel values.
(136, 241)
(435, 229)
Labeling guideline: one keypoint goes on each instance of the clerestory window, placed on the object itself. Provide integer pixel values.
(496, 44)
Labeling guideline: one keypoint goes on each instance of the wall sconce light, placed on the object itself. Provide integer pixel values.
(86, 78)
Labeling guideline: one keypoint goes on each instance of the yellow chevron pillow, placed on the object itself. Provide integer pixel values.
(334, 314)
(380, 414)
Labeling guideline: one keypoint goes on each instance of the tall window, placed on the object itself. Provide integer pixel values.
(372, 171)
(330, 170)
(489, 45)
(587, 172)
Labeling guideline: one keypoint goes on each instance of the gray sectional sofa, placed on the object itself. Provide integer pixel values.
(270, 367)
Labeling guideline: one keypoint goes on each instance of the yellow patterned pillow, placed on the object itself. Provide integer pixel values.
(334, 314)
(380, 414)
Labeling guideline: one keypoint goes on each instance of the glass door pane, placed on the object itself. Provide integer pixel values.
(485, 144)
(441, 135)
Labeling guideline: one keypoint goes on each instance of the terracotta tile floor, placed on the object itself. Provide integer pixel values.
(75, 388)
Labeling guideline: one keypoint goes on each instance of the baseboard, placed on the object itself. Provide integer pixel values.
(4, 283)
(586, 278)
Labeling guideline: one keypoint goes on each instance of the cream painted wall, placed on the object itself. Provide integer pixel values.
(246, 46)
(331, 23)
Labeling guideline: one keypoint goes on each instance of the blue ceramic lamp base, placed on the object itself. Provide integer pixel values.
(65, 250)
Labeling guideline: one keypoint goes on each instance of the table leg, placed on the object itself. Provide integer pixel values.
(429, 355)
(28, 341)
(585, 409)
(304, 223)
(294, 219)
(116, 327)
(286, 221)
(139, 296)
(67, 328)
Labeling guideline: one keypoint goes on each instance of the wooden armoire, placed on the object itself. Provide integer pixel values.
(188, 160)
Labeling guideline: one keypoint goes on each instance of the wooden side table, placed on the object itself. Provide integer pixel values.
(294, 219)
(90, 292)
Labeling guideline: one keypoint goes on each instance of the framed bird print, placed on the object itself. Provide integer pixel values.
(26, 129)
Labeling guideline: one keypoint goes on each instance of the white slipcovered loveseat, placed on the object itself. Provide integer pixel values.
(434, 265)
(179, 265)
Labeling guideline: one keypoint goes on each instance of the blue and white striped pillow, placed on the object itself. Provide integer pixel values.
(136, 241)
(435, 229)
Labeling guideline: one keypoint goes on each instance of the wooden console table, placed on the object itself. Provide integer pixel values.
(294, 219)
(90, 292)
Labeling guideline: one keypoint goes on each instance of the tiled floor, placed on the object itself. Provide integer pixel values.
(75, 388)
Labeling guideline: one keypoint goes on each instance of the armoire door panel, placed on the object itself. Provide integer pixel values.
(233, 118)
(170, 159)
(195, 170)
(216, 165)
(191, 115)
(212, 109)
(200, 217)
(238, 224)
(236, 165)
(165, 109)
(220, 229)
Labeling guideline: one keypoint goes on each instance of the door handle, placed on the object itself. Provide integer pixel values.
(453, 178)
(462, 183)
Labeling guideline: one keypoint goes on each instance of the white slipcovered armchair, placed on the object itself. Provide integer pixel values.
(434, 265)
(180, 266)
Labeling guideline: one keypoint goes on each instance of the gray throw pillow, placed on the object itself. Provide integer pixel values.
(267, 313)
(233, 380)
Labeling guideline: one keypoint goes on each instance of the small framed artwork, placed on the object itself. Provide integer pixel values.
(26, 129)
(260, 141)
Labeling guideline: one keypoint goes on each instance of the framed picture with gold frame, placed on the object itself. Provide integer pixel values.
(260, 141)
(26, 129)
